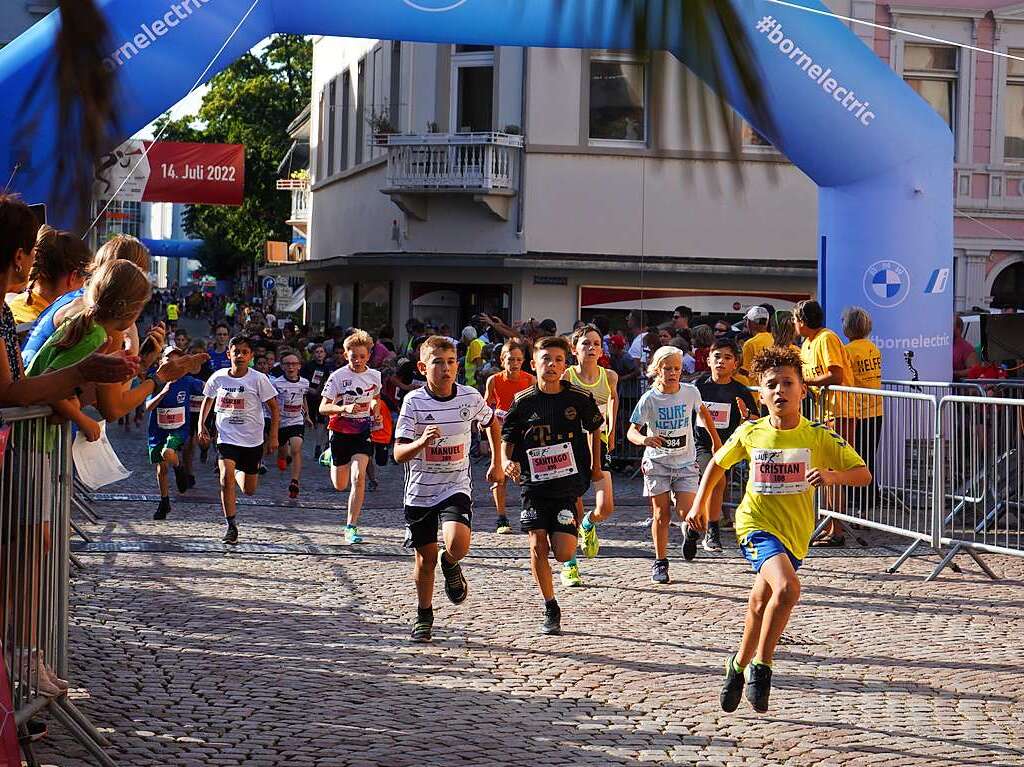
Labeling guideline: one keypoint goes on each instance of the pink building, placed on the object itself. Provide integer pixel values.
(981, 96)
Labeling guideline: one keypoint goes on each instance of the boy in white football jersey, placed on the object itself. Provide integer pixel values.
(432, 437)
(237, 395)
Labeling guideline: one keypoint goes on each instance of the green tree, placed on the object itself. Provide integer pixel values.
(251, 103)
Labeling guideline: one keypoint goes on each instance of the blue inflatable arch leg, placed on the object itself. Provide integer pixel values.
(883, 160)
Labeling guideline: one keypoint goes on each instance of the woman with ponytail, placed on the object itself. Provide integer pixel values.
(114, 298)
(123, 247)
(61, 265)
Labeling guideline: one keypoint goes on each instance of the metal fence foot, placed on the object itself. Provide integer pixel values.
(83, 722)
(60, 712)
(821, 526)
(76, 562)
(946, 560)
(981, 563)
(80, 532)
(86, 511)
(903, 557)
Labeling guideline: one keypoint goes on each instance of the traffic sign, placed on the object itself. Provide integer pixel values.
(269, 283)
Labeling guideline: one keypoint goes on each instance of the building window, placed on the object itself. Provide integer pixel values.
(931, 70)
(346, 109)
(473, 89)
(751, 139)
(360, 110)
(395, 95)
(331, 101)
(618, 99)
(1013, 109)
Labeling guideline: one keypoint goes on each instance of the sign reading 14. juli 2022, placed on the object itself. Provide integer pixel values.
(172, 171)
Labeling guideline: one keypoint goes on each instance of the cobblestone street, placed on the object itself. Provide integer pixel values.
(293, 649)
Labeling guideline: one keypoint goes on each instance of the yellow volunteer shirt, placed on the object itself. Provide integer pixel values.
(825, 350)
(778, 498)
(22, 311)
(754, 346)
(866, 363)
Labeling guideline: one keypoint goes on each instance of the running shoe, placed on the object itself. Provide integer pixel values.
(293, 489)
(163, 509)
(732, 690)
(713, 538)
(325, 458)
(371, 485)
(503, 528)
(231, 536)
(759, 686)
(589, 543)
(352, 535)
(421, 631)
(180, 479)
(690, 539)
(262, 470)
(659, 571)
(455, 586)
(552, 619)
(282, 464)
(571, 575)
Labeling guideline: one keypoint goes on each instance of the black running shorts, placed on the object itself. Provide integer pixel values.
(247, 459)
(422, 523)
(345, 447)
(554, 515)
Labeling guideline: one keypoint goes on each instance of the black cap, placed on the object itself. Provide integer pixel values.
(548, 326)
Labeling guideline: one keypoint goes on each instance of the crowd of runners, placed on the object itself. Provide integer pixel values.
(541, 408)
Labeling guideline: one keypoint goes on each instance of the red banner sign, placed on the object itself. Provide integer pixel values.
(171, 171)
(9, 756)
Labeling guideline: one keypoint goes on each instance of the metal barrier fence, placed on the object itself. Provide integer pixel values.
(35, 515)
(894, 432)
(981, 478)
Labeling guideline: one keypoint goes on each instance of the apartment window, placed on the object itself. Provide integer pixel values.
(346, 110)
(331, 101)
(321, 149)
(373, 304)
(618, 99)
(473, 89)
(396, 83)
(360, 110)
(931, 70)
(1013, 108)
(752, 139)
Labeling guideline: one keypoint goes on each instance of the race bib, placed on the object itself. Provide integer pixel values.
(780, 472)
(674, 443)
(170, 417)
(721, 413)
(195, 403)
(232, 404)
(362, 406)
(317, 377)
(551, 462)
(447, 454)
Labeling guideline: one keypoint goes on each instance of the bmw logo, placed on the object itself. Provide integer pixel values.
(434, 6)
(887, 283)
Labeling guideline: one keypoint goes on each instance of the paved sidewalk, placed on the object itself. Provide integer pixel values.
(271, 655)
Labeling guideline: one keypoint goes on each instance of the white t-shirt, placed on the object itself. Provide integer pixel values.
(346, 387)
(636, 349)
(669, 416)
(290, 396)
(441, 469)
(238, 403)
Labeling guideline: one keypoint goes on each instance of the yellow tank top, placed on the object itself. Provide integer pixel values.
(599, 390)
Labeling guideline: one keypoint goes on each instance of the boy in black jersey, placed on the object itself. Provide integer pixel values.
(730, 404)
(545, 444)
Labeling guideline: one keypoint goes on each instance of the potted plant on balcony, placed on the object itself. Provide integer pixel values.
(381, 126)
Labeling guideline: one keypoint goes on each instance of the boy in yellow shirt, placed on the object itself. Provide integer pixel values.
(789, 457)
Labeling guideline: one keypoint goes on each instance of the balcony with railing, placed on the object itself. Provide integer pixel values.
(484, 166)
(299, 187)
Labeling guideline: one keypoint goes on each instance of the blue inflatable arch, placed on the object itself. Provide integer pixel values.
(882, 159)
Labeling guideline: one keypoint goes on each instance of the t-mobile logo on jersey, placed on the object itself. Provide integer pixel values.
(435, 6)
